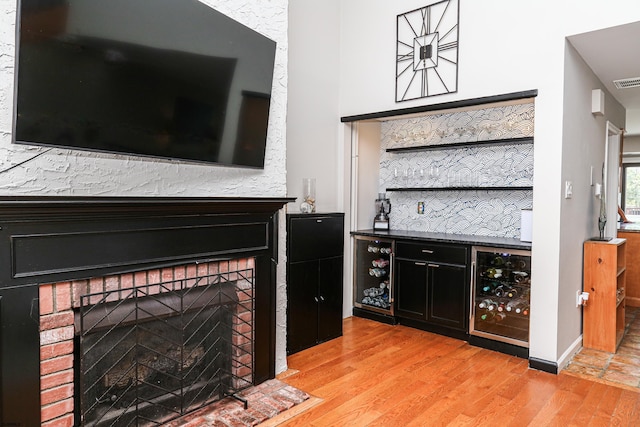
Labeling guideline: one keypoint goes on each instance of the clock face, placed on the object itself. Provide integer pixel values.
(427, 51)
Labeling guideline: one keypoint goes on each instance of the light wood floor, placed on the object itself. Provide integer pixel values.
(381, 375)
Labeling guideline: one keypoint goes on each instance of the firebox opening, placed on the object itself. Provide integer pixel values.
(152, 353)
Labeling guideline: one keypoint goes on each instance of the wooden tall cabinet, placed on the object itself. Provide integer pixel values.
(315, 258)
(604, 280)
(632, 286)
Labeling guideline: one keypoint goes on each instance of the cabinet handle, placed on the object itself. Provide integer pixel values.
(434, 265)
(420, 263)
(321, 298)
(318, 220)
(427, 251)
(472, 311)
(316, 298)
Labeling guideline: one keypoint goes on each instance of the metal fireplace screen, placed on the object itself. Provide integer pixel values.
(150, 354)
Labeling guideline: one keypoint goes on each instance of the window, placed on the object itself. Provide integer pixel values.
(631, 191)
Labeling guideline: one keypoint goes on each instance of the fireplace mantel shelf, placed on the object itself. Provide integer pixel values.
(66, 206)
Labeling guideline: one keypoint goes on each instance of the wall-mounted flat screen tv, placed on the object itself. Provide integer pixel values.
(163, 78)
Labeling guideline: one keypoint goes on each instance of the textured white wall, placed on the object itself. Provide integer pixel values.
(72, 172)
(57, 172)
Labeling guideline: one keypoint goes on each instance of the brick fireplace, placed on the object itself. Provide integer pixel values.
(61, 311)
(59, 251)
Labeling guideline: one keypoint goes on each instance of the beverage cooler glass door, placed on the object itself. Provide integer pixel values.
(500, 288)
(372, 281)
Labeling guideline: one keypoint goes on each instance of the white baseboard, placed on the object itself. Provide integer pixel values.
(571, 351)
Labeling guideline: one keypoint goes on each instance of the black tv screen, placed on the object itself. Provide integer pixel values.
(163, 78)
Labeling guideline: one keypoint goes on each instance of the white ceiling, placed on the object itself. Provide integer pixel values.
(614, 53)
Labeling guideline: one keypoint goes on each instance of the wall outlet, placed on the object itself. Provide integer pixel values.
(581, 298)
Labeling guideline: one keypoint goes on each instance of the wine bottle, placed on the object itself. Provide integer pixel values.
(501, 307)
(489, 315)
(499, 317)
(485, 303)
(513, 304)
(377, 272)
(493, 306)
(380, 262)
(506, 291)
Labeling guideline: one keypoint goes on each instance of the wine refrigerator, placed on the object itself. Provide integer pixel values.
(373, 275)
(500, 289)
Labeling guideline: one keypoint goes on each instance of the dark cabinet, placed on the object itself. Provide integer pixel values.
(447, 288)
(431, 283)
(314, 279)
(411, 289)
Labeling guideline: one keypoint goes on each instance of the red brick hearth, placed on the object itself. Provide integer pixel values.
(57, 330)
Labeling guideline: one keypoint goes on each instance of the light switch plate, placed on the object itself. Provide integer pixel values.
(568, 189)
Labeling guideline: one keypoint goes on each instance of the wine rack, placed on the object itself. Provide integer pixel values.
(373, 287)
(500, 300)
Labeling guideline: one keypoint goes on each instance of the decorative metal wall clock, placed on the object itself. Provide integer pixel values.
(427, 51)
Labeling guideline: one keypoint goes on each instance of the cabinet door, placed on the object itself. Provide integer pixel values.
(447, 290)
(313, 237)
(411, 289)
(330, 299)
(302, 318)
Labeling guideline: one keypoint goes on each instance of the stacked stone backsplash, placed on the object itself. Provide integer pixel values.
(483, 212)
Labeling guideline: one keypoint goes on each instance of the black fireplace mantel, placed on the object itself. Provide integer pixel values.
(53, 239)
(46, 239)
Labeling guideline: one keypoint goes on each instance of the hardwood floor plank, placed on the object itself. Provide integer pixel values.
(387, 376)
(408, 408)
(587, 408)
(627, 412)
(606, 407)
(492, 397)
(577, 390)
(533, 386)
(469, 385)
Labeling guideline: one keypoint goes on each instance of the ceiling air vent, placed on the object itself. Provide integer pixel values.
(627, 83)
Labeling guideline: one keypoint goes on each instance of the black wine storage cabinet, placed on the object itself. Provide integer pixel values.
(315, 259)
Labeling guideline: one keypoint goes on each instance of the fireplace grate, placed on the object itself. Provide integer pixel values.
(152, 353)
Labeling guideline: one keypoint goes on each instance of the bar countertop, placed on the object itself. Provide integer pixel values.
(501, 242)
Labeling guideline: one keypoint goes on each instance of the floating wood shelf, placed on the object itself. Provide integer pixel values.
(462, 188)
(458, 145)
